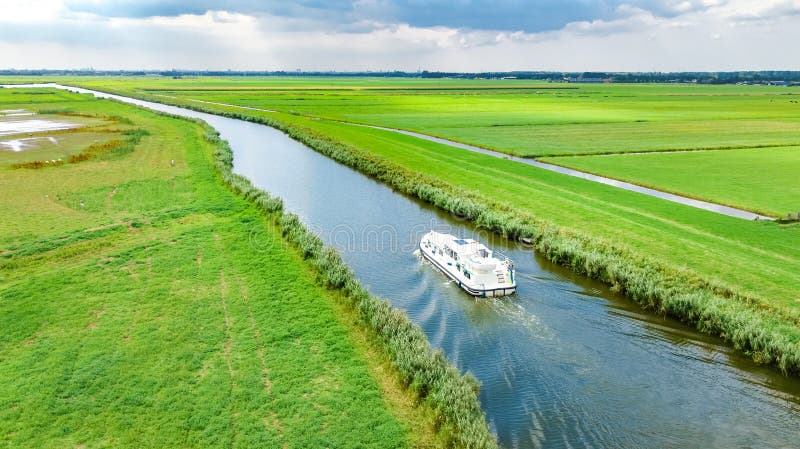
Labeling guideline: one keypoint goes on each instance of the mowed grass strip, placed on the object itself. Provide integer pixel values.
(620, 138)
(764, 180)
(145, 305)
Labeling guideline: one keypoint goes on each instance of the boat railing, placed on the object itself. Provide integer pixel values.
(500, 256)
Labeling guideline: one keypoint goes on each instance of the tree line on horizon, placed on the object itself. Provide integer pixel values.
(789, 77)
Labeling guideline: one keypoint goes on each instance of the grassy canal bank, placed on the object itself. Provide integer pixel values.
(729, 277)
(144, 303)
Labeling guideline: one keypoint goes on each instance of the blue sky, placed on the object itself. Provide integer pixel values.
(458, 35)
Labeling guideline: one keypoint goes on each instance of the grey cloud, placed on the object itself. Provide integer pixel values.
(637, 35)
(505, 15)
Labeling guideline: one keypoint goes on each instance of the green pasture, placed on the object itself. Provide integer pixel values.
(629, 137)
(514, 116)
(765, 180)
(143, 304)
(54, 145)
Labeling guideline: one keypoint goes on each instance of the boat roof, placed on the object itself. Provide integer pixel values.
(462, 245)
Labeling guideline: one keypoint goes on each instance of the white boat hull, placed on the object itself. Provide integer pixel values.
(446, 265)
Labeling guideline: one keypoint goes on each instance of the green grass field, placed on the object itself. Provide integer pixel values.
(518, 117)
(145, 305)
(759, 179)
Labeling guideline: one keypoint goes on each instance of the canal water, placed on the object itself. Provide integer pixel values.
(563, 363)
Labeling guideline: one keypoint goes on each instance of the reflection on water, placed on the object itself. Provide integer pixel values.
(563, 363)
(17, 145)
(10, 127)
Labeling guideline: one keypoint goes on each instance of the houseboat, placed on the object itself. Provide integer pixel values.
(470, 264)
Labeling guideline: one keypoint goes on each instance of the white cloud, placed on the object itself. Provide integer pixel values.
(693, 35)
(30, 11)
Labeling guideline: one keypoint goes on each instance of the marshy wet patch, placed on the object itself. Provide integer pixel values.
(50, 138)
(15, 112)
(49, 148)
(17, 145)
(24, 130)
(30, 123)
(23, 123)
